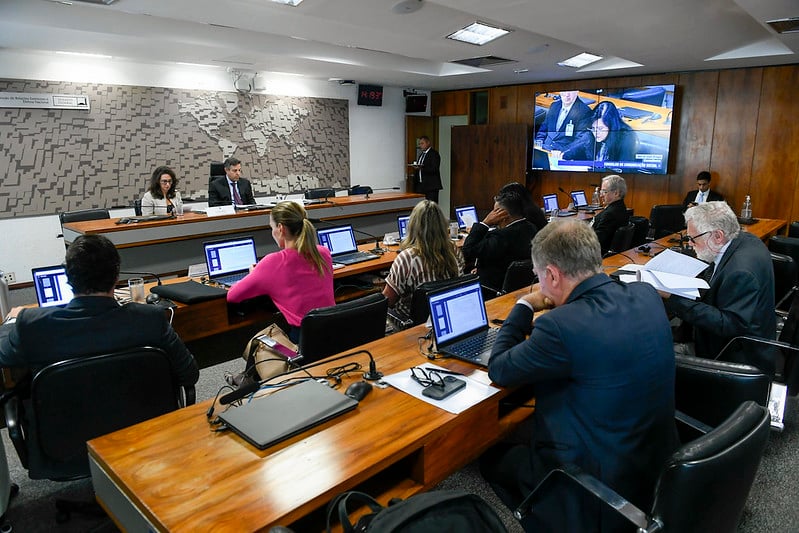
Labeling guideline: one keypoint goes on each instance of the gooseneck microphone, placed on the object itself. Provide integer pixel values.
(571, 201)
(151, 274)
(381, 189)
(245, 390)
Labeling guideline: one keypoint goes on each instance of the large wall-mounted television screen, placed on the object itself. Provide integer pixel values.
(604, 130)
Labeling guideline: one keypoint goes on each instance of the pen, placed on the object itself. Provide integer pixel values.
(448, 372)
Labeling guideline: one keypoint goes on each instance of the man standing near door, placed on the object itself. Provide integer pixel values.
(427, 177)
(232, 189)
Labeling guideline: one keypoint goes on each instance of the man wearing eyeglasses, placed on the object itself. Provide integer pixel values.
(740, 300)
(614, 216)
(602, 366)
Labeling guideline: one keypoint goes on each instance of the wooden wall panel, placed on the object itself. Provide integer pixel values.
(450, 103)
(502, 104)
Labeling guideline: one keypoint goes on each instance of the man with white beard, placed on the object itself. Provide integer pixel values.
(740, 300)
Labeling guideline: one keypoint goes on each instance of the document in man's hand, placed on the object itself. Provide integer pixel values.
(670, 272)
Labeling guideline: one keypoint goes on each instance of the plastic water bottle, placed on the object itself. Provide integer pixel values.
(595, 198)
(746, 210)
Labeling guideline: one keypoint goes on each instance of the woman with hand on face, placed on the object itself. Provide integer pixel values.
(162, 197)
(299, 277)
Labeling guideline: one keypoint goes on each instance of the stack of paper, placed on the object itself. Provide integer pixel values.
(670, 272)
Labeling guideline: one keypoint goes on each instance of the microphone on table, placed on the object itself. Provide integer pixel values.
(571, 201)
(245, 390)
(371, 190)
(376, 250)
(151, 274)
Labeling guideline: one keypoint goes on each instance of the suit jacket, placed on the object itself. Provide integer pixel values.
(219, 192)
(607, 221)
(429, 173)
(92, 325)
(712, 196)
(495, 250)
(740, 300)
(555, 138)
(604, 395)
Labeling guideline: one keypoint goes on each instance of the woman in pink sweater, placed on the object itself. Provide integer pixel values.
(299, 277)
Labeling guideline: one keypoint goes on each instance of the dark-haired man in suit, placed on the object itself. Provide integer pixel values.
(703, 192)
(232, 189)
(427, 178)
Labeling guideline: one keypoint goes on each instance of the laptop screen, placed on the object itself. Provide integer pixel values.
(51, 286)
(578, 197)
(457, 312)
(402, 226)
(550, 202)
(229, 256)
(466, 215)
(339, 239)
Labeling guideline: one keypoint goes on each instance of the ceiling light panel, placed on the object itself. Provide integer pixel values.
(478, 33)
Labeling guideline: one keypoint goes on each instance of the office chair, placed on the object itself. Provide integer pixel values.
(622, 240)
(137, 207)
(649, 95)
(329, 330)
(786, 276)
(703, 486)
(793, 229)
(785, 245)
(52, 416)
(65, 217)
(641, 231)
(419, 307)
(665, 219)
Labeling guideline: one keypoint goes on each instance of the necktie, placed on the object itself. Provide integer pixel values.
(236, 197)
(707, 274)
(421, 160)
(700, 197)
(561, 118)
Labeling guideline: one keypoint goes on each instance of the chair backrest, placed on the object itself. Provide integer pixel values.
(622, 239)
(79, 399)
(710, 390)
(519, 274)
(330, 330)
(785, 278)
(641, 230)
(419, 308)
(785, 245)
(665, 219)
(83, 215)
(704, 484)
(793, 229)
(137, 207)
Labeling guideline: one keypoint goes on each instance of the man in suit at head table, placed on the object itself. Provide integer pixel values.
(703, 193)
(232, 189)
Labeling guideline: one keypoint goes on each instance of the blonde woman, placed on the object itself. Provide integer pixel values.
(426, 254)
(299, 277)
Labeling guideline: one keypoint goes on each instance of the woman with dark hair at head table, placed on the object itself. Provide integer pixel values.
(427, 254)
(299, 277)
(610, 138)
(534, 214)
(162, 197)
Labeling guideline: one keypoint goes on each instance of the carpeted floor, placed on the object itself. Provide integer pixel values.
(771, 506)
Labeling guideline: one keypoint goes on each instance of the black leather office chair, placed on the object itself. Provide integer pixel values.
(665, 219)
(80, 216)
(786, 276)
(793, 229)
(519, 274)
(641, 230)
(137, 207)
(419, 307)
(65, 404)
(622, 240)
(785, 245)
(702, 487)
(330, 330)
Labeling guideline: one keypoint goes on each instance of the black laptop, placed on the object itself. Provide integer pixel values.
(466, 215)
(340, 240)
(229, 260)
(52, 288)
(581, 202)
(551, 206)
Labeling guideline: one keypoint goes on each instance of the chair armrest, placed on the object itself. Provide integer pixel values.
(15, 433)
(766, 353)
(189, 395)
(572, 473)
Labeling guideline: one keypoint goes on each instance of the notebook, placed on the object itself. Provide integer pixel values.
(466, 215)
(52, 288)
(268, 420)
(340, 240)
(229, 260)
(581, 202)
(460, 322)
(551, 205)
(402, 225)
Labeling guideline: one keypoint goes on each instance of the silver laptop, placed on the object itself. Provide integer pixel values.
(340, 240)
(229, 260)
(466, 216)
(52, 287)
(551, 206)
(581, 202)
(460, 322)
(402, 226)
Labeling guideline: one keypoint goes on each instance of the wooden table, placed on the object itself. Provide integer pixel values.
(173, 473)
(169, 246)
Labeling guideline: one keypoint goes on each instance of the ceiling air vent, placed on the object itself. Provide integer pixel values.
(485, 61)
(102, 2)
(790, 25)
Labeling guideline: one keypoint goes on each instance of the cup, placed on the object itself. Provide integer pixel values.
(453, 230)
(539, 144)
(136, 286)
(179, 210)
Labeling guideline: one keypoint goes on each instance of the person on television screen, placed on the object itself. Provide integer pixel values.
(567, 120)
(615, 140)
(427, 176)
(162, 197)
(703, 193)
(233, 189)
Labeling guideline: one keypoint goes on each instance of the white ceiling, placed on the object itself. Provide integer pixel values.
(365, 41)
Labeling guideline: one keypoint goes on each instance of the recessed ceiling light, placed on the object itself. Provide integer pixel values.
(292, 3)
(580, 60)
(83, 54)
(478, 33)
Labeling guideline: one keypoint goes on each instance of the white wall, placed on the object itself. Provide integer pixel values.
(377, 134)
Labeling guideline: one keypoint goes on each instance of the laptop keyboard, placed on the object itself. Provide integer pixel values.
(354, 257)
(473, 347)
(230, 279)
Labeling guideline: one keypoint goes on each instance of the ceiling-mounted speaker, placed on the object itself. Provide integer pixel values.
(407, 6)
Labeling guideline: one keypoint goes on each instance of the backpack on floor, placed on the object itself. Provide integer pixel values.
(434, 512)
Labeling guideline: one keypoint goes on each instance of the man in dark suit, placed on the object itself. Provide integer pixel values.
(740, 300)
(427, 178)
(93, 322)
(568, 119)
(233, 189)
(494, 250)
(703, 192)
(604, 393)
(614, 216)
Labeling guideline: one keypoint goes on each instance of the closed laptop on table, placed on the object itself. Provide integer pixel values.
(340, 240)
(229, 260)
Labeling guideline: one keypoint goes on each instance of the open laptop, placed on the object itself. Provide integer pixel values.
(402, 226)
(340, 240)
(52, 288)
(466, 215)
(229, 260)
(551, 205)
(460, 322)
(581, 202)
